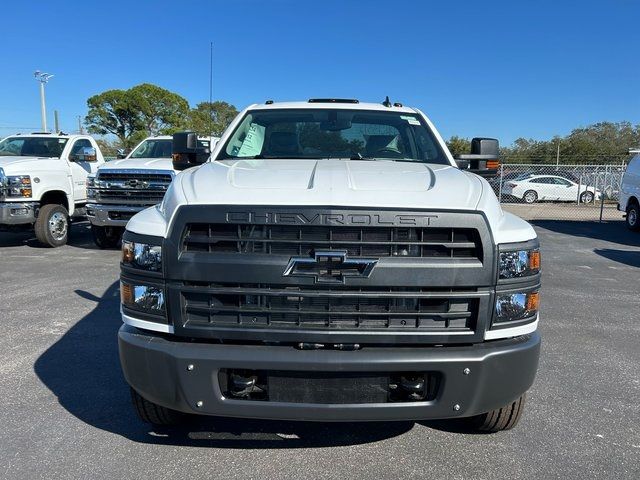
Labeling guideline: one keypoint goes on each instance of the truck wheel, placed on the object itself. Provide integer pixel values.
(530, 196)
(504, 418)
(149, 412)
(633, 217)
(52, 225)
(106, 237)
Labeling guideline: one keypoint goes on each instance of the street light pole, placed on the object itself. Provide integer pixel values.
(42, 78)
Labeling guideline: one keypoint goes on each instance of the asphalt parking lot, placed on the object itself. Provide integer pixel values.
(66, 411)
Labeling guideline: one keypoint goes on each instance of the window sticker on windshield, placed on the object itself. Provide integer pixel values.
(62, 140)
(410, 120)
(253, 141)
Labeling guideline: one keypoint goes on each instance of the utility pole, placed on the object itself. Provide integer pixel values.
(56, 125)
(558, 156)
(42, 78)
(80, 129)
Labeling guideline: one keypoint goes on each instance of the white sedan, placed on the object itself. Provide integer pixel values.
(549, 187)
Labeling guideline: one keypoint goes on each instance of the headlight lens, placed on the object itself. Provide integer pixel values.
(519, 263)
(145, 298)
(16, 186)
(142, 255)
(516, 306)
(91, 184)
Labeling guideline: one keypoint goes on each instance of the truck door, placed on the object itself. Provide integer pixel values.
(81, 166)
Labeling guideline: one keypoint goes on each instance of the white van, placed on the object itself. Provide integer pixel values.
(630, 193)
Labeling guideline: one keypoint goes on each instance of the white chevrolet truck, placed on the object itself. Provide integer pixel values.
(330, 263)
(123, 187)
(43, 182)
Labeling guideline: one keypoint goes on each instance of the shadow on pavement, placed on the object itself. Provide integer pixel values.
(627, 257)
(83, 370)
(80, 237)
(615, 232)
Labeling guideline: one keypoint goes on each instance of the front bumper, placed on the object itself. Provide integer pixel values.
(106, 215)
(156, 367)
(18, 213)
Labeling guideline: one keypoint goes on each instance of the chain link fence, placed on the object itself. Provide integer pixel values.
(575, 191)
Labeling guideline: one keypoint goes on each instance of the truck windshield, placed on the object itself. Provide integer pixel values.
(156, 148)
(333, 133)
(32, 146)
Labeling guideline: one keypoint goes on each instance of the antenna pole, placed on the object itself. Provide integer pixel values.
(211, 89)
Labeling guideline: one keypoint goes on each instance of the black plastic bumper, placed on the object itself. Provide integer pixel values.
(498, 373)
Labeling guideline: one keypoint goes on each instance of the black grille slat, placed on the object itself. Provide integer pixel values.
(354, 308)
(358, 242)
(145, 177)
(117, 187)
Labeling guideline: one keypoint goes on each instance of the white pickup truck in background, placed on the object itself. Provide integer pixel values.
(43, 182)
(122, 188)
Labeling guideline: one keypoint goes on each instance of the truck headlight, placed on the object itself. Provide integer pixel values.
(145, 298)
(516, 306)
(519, 263)
(18, 186)
(91, 187)
(142, 256)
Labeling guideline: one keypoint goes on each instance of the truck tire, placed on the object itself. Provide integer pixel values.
(500, 419)
(106, 237)
(150, 412)
(633, 217)
(52, 225)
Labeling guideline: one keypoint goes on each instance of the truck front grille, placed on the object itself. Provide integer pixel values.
(132, 187)
(285, 307)
(379, 241)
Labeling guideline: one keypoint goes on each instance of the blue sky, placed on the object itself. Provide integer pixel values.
(505, 69)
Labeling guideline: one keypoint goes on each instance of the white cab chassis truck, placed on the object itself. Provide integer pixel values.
(43, 182)
(630, 194)
(123, 187)
(330, 263)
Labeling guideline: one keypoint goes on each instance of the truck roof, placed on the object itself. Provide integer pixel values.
(48, 135)
(344, 104)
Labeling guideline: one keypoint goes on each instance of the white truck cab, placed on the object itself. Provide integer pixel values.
(43, 182)
(331, 262)
(121, 188)
(630, 193)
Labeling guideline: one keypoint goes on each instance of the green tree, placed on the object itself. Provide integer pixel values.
(109, 148)
(211, 118)
(136, 113)
(112, 113)
(158, 111)
(458, 145)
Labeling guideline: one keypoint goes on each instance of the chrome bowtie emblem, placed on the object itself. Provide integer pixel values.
(330, 266)
(133, 183)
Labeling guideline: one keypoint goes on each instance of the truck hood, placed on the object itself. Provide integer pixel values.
(332, 182)
(138, 164)
(18, 165)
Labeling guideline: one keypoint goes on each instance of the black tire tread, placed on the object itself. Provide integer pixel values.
(636, 207)
(150, 412)
(500, 419)
(584, 195)
(102, 239)
(525, 194)
(42, 229)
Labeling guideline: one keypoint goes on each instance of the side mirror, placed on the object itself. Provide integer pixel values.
(186, 151)
(121, 153)
(85, 154)
(483, 159)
